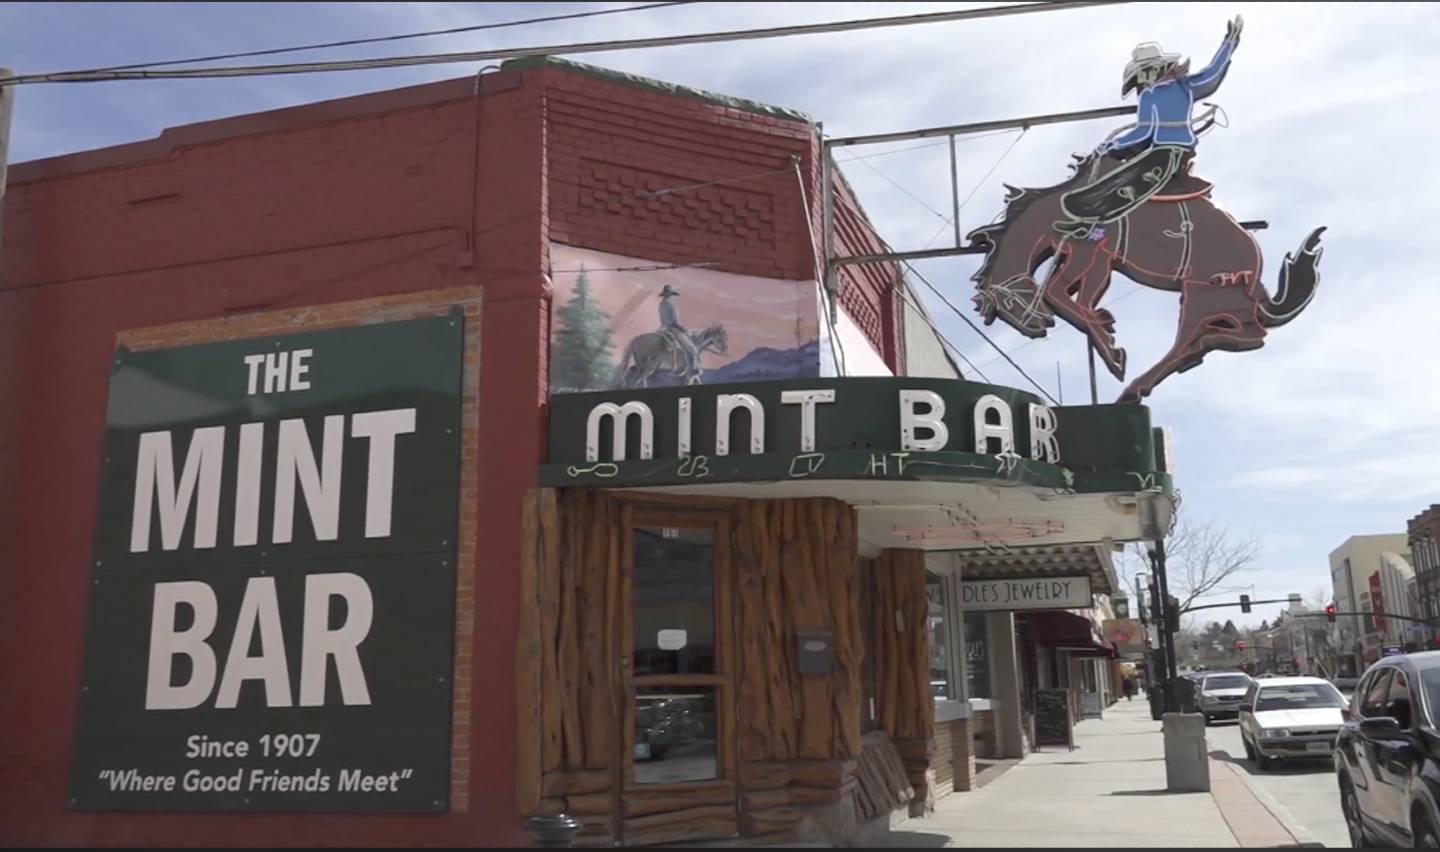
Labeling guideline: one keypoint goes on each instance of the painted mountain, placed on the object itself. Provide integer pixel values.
(762, 364)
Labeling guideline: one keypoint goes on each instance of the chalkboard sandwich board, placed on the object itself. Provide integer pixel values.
(1054, 718)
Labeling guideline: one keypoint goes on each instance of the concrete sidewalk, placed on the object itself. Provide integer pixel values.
(1109, 791)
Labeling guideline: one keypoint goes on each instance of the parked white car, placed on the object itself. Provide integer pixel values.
(1288, 717)
(1220, 694)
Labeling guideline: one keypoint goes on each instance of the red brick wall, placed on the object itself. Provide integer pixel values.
(683, 180)
(297, 211)
(613, 148)
(272, 212)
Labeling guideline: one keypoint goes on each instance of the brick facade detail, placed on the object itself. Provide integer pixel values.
(354, 210)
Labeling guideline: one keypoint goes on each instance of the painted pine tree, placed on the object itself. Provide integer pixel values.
(584, 347)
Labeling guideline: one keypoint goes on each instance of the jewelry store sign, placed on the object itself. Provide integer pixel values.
(272, 606)
(1034, 593)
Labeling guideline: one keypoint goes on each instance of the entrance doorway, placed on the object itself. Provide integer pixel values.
(677, 676)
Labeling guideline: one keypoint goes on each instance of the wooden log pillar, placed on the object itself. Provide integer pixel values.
(568, 722)
(905, 704)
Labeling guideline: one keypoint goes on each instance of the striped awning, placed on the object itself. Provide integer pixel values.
(1060, 560)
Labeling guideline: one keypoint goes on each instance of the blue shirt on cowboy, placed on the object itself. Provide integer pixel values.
(1164, 114)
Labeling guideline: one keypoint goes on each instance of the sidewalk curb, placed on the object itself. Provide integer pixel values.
(1303, 838)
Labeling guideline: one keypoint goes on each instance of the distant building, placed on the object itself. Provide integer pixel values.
(1424, 540)
(1352, 565)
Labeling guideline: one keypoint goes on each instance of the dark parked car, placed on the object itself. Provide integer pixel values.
(1387, 755)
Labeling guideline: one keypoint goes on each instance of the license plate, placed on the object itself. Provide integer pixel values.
(642, 751)
(1317, 746)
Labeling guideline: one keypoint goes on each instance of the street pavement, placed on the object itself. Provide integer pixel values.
(1306, 789)
(1110, 792)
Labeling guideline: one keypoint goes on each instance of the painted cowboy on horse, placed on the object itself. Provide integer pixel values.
(1132, 206)
(672, 350)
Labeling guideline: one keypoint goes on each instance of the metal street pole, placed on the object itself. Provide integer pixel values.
(7, 107)
(1309, 657)
(1171, 669)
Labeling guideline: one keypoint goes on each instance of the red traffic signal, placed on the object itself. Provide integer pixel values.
(1330, 612)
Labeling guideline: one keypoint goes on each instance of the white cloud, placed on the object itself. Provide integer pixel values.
(1326, 430)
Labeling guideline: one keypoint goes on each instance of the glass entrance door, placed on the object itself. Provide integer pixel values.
(677, 668)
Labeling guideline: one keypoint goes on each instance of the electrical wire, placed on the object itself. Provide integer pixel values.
(951, 305)
(910, 300)
(981, 182)
(831, 308)
(943, 298)
(962, 140)
(945, 219)
(594, 13)
(714, 37)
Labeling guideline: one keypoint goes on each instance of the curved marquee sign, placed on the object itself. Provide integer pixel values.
(848, 428)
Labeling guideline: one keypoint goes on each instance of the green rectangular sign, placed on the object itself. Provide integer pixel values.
(272, 609)
(902, 428)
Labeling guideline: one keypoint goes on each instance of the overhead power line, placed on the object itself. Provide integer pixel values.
(594, 13)
(961, 314)
(560, 49)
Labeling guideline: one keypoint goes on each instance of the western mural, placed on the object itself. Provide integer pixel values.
(626, 322)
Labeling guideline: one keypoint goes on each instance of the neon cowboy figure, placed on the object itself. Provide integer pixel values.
(1162, 143)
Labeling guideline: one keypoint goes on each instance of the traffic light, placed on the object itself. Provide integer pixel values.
(1172, 615)
(1244, 603)
(1330, 612)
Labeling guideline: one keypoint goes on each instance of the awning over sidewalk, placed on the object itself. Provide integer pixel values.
(1067, 560)
(1066, 631)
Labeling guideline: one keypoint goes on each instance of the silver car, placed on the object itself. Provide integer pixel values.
(1287, 717)
(1220, 694)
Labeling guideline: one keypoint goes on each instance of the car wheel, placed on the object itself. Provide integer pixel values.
(1249, 750)
(1353, 823)
(1207, 721)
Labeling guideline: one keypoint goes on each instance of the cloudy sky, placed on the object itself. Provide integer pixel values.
(1328, 431)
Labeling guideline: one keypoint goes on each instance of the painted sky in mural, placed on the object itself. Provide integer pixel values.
(621, 322)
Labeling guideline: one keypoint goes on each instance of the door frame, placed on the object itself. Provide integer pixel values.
(725, 680)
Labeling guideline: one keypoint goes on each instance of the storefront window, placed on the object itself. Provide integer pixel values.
(675, 735)
(977, 655)
(674, 602)
(941, 683)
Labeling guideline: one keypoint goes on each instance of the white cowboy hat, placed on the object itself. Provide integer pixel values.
(1143, 57)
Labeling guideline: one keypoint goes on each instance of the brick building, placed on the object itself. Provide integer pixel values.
(1423, 534)
(496, 226)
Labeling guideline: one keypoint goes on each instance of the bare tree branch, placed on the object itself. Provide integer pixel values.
(1202, 559)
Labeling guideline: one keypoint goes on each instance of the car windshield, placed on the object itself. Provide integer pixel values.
(1298, 697)
(1431, 680)
(1227, 682)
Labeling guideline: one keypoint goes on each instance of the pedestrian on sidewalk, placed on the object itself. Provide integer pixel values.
(1129, 686)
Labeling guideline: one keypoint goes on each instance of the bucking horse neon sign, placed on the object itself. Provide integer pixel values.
(1133, 205)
